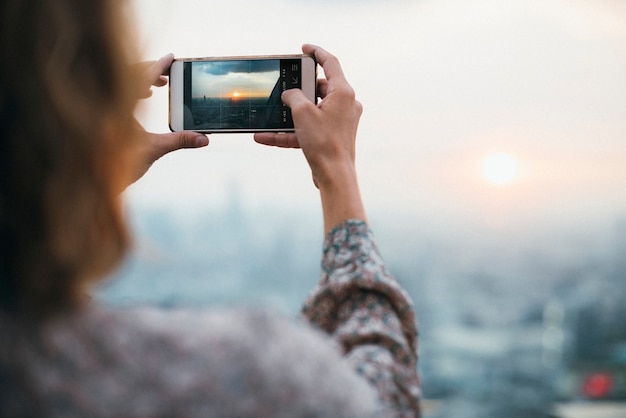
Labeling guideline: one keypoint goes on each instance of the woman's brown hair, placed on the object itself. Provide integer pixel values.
(66, 115)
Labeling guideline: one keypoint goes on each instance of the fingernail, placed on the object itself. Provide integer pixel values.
(201, 140)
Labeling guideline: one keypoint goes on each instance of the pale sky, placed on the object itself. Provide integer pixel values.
(209, 82)
(444, 85)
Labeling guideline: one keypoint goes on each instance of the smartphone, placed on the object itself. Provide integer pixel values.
(237, 94)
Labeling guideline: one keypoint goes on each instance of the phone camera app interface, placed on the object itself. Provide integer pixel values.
(239, 94)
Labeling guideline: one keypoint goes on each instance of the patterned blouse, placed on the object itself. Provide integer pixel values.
(149, 362)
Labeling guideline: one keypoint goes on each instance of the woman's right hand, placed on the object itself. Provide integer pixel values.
(326, 132)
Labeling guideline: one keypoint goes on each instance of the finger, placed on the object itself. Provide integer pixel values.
(156, 70)
(322, 88)
(160, 82)
(282, 140)
(330, 63)
(163, 64)
(153, 73)
(296, 100)
(144, 94)
(165, 143)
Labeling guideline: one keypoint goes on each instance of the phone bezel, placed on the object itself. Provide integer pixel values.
(176, 89)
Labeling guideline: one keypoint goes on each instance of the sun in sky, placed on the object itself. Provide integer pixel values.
(236, 94)
(499, 168)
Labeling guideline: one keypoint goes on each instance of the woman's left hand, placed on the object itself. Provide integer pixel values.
(153, 146)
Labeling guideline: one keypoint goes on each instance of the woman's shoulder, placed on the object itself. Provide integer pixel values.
(208, 358)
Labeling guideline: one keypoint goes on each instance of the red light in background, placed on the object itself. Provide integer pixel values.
(597, 385)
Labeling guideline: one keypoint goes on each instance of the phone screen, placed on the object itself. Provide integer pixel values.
(239, 93)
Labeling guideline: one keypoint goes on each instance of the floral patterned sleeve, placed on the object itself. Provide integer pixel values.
(361, 305)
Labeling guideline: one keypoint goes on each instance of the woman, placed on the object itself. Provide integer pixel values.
(69, 146)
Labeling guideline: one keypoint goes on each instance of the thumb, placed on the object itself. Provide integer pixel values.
(165, 143)
(296, 100)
